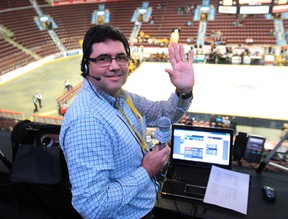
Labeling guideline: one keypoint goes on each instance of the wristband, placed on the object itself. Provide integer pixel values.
(184, 96)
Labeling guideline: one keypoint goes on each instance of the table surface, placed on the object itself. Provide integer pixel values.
(258, 207)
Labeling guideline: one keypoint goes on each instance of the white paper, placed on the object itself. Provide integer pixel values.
(228, 189)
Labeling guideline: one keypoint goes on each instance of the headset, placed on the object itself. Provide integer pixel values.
(85, 68)
(86, 48)
(85, 71)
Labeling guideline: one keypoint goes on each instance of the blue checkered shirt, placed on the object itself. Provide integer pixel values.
(104, 156)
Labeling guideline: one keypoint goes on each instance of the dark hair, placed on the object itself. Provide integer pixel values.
(101, 33)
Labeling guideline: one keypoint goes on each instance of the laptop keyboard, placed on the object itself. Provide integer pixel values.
(191, 175)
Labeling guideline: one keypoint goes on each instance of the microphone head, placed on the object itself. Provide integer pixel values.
(163, 133)
(164, 124)
(96, 78)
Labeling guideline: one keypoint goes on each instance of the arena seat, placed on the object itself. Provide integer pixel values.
(73, 20)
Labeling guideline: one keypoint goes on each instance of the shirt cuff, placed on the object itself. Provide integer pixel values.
(184, 103)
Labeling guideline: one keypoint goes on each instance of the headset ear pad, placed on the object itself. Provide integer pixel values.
(85, 69)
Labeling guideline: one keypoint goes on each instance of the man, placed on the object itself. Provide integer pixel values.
(103, 131)
(39, 98)
(68, 86)
(63, 108)
(34, 99)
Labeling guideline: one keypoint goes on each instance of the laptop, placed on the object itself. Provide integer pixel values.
(194, 150)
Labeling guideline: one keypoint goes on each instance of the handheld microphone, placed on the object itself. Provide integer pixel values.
(264, 162)
(163, 132)
(96, 78)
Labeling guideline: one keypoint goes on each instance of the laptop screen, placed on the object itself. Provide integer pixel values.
(202, 144)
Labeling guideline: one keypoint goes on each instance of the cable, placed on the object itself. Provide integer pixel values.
(93, 89)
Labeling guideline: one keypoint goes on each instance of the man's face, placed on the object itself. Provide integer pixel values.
(113, 75)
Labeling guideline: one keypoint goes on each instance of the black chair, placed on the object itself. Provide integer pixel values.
(35, 200)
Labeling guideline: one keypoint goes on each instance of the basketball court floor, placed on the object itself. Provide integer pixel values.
(236, 90)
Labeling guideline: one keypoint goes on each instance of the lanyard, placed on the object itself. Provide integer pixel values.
(133, 108)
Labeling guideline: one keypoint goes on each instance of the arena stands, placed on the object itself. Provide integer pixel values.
(255, 26)
(74, 19)
(7, 4)
(27, 38)
(166, 17)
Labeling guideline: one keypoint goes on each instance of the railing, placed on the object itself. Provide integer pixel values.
(56, 120)
(8, 119)
(69, 94)
(11, 114)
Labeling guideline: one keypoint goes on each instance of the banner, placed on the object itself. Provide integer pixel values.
(66, 2)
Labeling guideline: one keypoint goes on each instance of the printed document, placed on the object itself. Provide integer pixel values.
(228, 189)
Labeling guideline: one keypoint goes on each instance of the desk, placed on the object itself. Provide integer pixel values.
(258, 207)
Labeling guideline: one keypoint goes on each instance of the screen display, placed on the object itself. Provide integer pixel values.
(254, 149)
(250, 7)
(227, 2)
(227, 7)
(280, 2)
(280, 8)
(201, 146)
(255, 6)
(264, 9)
(254, 2)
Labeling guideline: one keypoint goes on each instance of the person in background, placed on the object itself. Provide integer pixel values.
(63, 108)
(34, 99)
(102, 135)
(68, 85)
(39, 98)
(174, 37)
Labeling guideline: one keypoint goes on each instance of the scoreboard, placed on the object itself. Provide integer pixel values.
(227, 6)
(252, 6)
(280, 6)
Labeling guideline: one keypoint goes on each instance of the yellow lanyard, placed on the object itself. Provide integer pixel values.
(133, 108)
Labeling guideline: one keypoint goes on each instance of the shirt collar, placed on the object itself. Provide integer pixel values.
(120, 98)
